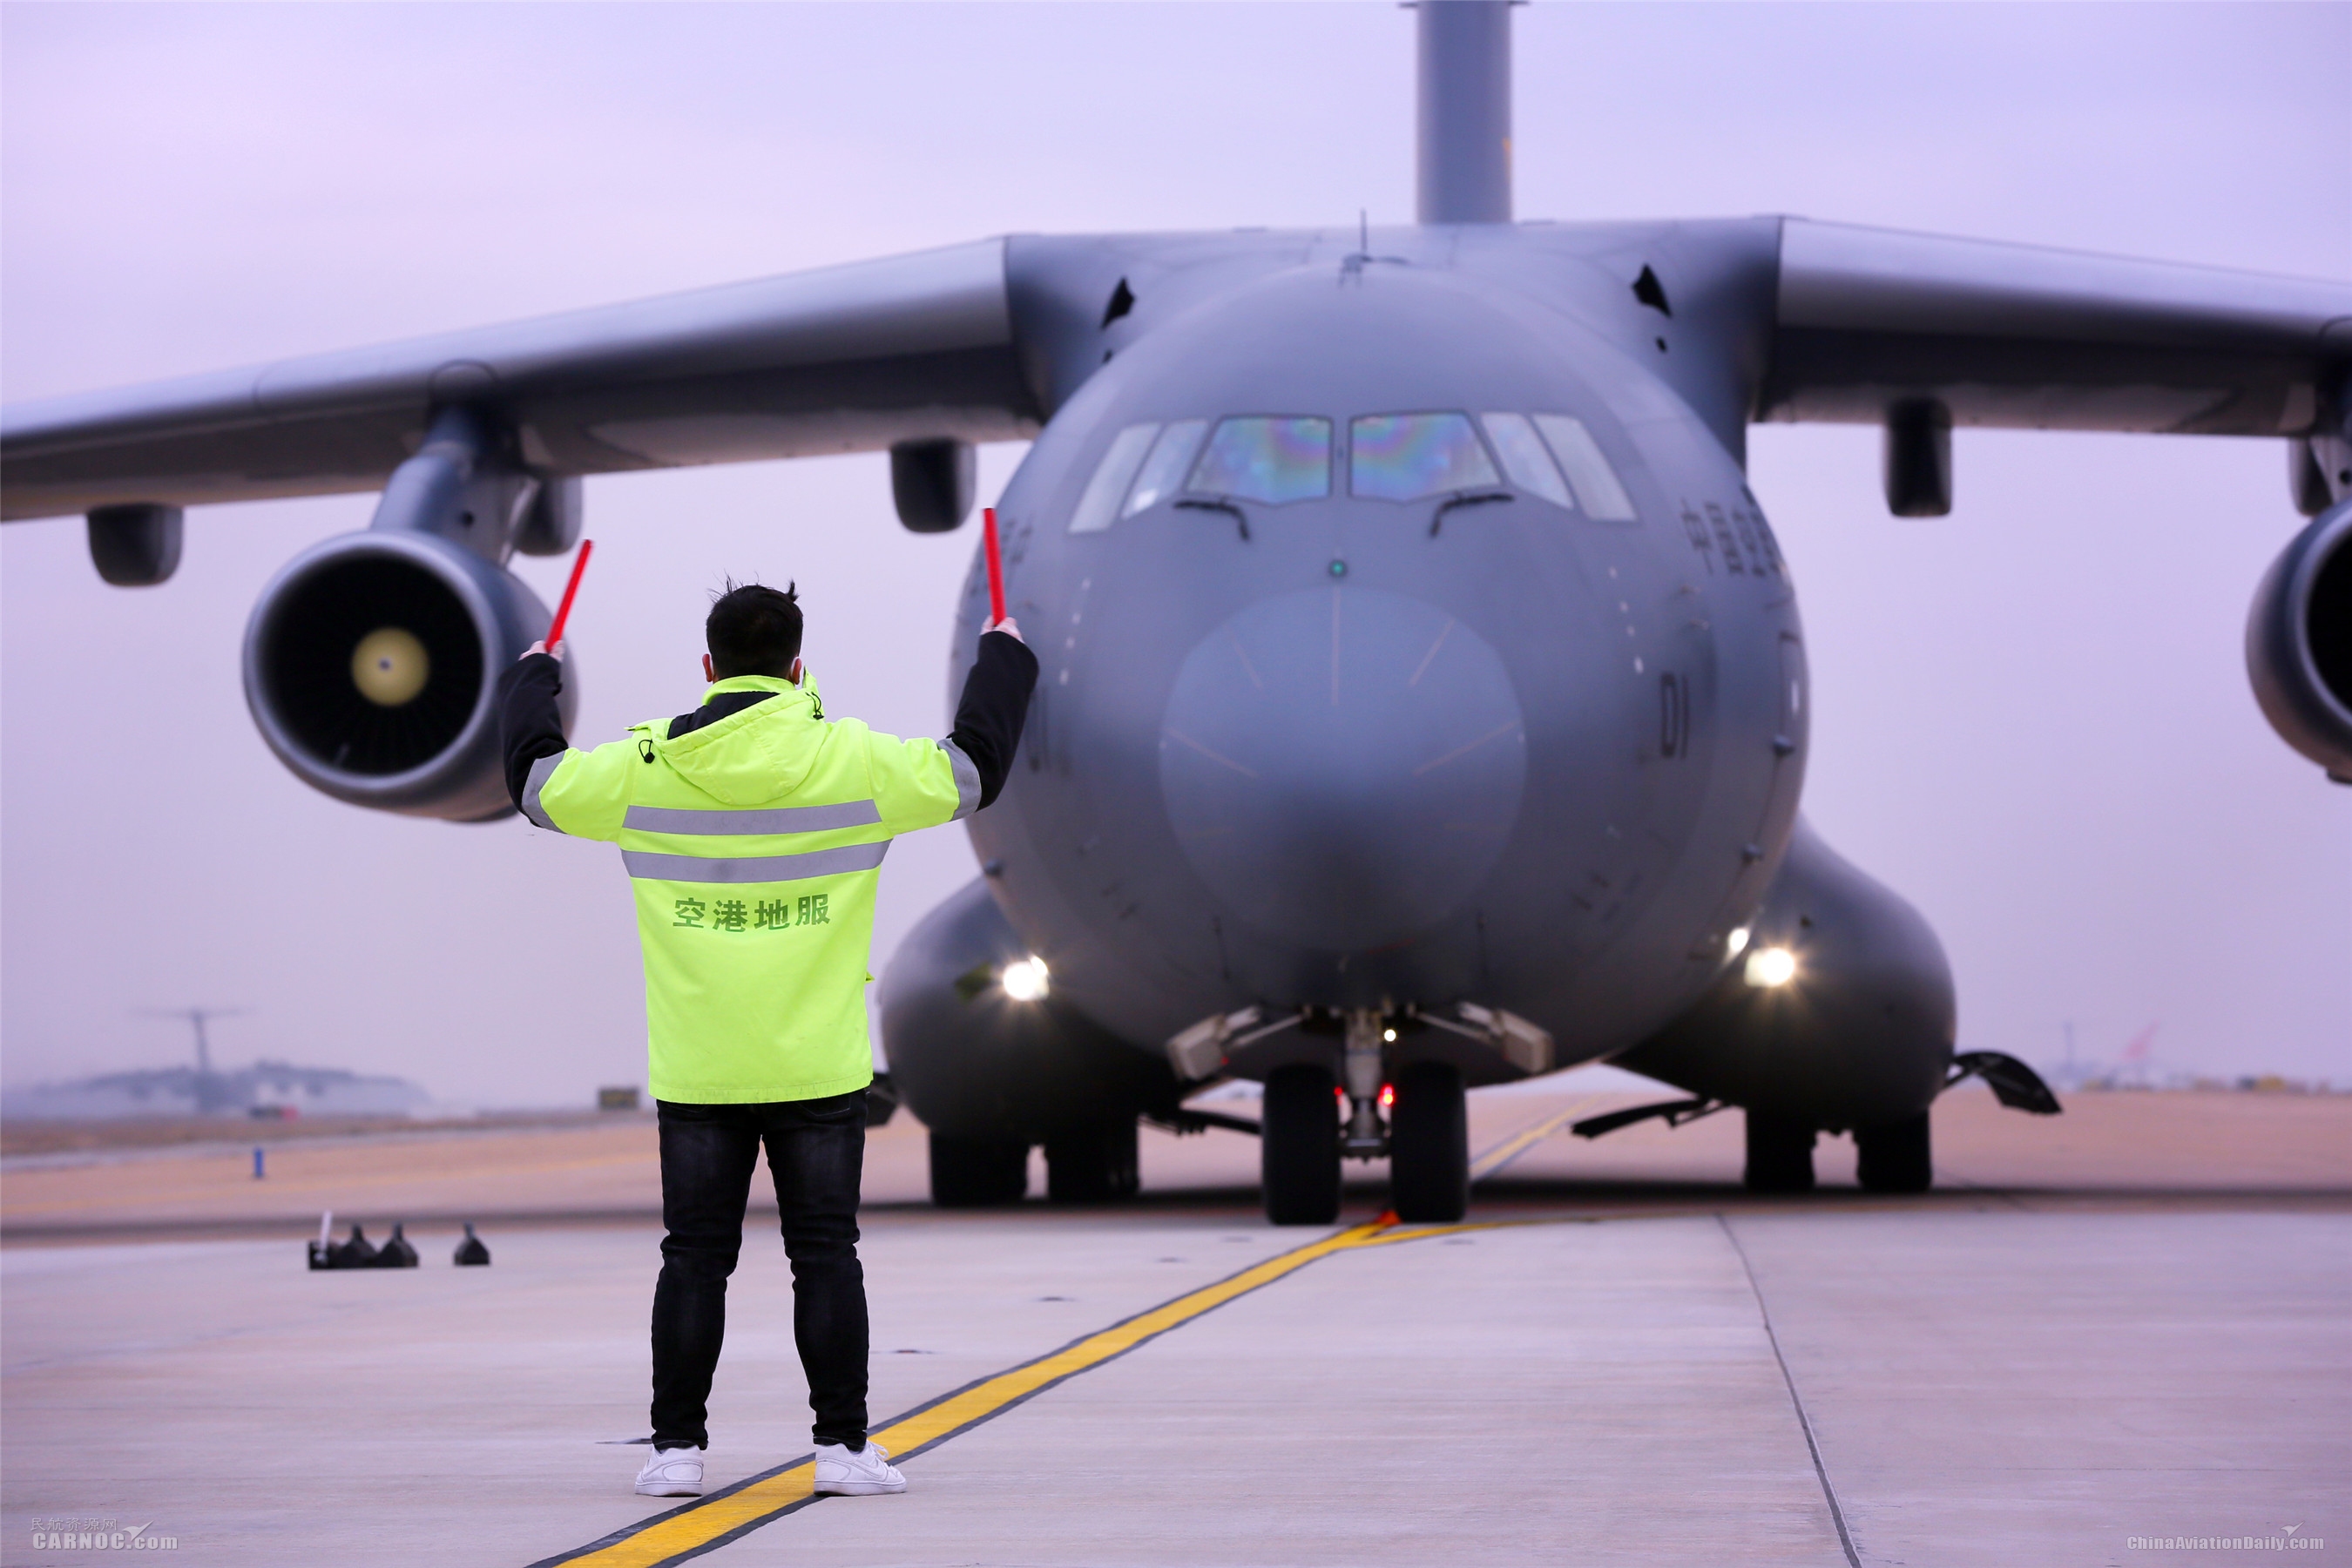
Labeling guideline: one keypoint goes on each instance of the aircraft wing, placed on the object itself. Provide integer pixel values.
(842, 359)
(2014, 335)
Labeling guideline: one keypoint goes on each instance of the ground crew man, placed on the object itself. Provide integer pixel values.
(753, 830)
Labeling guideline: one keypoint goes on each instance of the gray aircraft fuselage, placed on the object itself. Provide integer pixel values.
(1346, 752)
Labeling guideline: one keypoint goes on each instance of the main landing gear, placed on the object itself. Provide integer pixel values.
(1892, 1158)
(1092, 1164)
(1779, 1155)
(978, 1172)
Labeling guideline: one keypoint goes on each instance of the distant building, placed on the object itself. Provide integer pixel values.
(265, 1088)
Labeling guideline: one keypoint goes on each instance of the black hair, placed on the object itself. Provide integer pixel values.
(754, 629)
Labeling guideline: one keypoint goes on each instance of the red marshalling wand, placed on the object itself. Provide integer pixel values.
(995, 565)
(564, 610)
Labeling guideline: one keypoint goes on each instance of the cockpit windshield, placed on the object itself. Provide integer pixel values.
(1270, 461)
(1163, 471)
(1099, 505)
(1597, 485)
(1524, 457)
(1406, 456)
(1275, 459)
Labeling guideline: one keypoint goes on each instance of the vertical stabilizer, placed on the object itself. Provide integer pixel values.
(1464, 132)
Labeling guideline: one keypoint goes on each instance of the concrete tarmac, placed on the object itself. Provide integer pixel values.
(1634, 1366)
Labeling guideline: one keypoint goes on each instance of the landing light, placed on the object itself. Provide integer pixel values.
(1771, 966)
(1024, 979)
(1736, 942)
(1389, 1036)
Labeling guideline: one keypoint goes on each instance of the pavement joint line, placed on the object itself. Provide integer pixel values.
(1526, 1138)
(1804, 1418)
(734, 1512)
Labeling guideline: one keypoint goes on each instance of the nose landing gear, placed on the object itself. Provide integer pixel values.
(1429, 1145)
(1426, 1138)
(1366, 1069)
(1299, 1149)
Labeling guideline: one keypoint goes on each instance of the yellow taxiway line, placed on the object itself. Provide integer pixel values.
(711, 1522)
(1526, 1138)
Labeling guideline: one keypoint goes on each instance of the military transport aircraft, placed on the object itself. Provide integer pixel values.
(1424, 701)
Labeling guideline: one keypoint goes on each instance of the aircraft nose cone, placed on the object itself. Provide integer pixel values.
(1343, 766)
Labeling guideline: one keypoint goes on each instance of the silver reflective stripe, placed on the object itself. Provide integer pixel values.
(541, 772)
(652, 868)
(780, 819)
(967, 778)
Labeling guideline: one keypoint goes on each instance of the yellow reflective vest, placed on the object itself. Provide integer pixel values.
(754, 842)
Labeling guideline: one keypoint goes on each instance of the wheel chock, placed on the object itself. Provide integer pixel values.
(357, 1252)
(396, 1253)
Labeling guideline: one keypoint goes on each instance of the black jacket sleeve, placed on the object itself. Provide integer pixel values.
(995, 705)
(530, 727)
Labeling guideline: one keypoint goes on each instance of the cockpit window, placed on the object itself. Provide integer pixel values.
(1270, 461)
(1404, 457)
(1604, 498)
(1524, 457)
(1163, 471)
(1099, 504)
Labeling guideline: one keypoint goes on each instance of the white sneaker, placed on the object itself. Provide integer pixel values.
(671, 1472)
(862, 1473)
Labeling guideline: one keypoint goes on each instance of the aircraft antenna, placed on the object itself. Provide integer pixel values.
(1464, 135)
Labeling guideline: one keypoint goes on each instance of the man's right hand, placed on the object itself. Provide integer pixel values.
(556, 652)
(1011, 629)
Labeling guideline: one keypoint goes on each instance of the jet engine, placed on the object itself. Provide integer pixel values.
(2299, 642)
(370, 663)
(371, 659)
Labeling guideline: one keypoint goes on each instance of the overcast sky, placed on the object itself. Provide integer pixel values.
(2032, 716)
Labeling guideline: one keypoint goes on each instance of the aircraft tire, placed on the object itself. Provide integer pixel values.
(1299, 1147)
(1780, 1155)
(978, 1172)
(1895, 1157)
(1429, 1146)
(1092, 1165)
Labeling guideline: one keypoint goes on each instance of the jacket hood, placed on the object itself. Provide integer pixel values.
(755, 755)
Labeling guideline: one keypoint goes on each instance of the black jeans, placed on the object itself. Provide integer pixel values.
(816, 1151)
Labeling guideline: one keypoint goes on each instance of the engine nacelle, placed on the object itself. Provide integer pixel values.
(370, 664)
(2299, 642)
